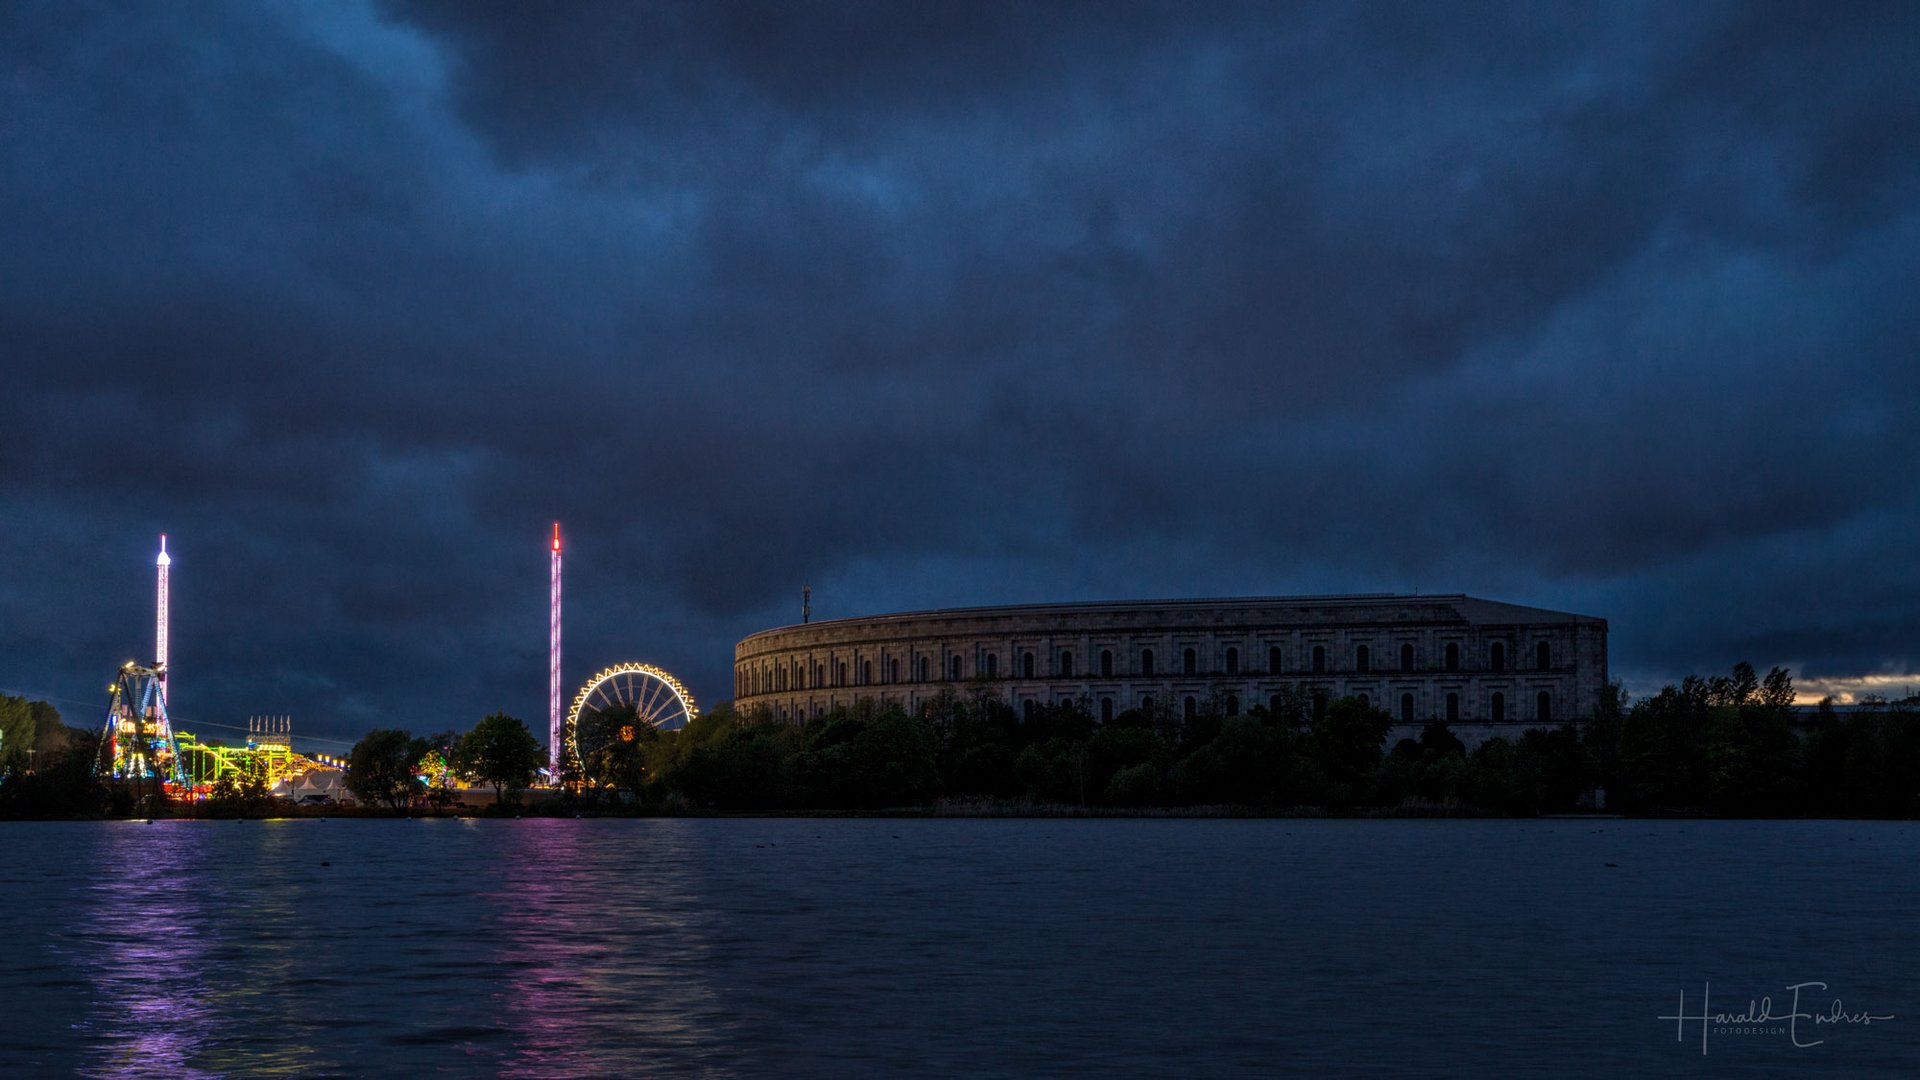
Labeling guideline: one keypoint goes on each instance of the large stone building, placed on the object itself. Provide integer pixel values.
(1483, 666)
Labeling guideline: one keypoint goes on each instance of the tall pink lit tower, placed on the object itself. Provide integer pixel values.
(553, 661)
(160, 618)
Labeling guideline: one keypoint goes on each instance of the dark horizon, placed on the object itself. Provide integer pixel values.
(1594, 308)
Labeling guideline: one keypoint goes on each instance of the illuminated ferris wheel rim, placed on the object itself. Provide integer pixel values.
(666, 701)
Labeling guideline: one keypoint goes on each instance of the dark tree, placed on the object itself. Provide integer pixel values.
(869, 756)
(62, 783)
(500, 753)
(1115, 749)
(731, 764)
(1663, 750)
(1345, 743)
(975, 743)
(1754, 759)
(1601, 734)
(1247, 764)
(1054, 771)
(1437, 740)
(380, 767)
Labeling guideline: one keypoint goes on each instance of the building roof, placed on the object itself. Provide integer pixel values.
(1362, 607)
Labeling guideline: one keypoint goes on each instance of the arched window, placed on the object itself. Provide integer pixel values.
(1453, 657)
(1146, 661)
(1544, 710)
(1066, 663)
(1543, 656)
(993, 665)
(1233, 705)
(1233, 660)
(926, 670)
(1106, 710)
(1406, 708)
(956, 668)
(1026, 665)
(1362, 658)
(866, 672)
(1406, 657)
(1106, 663)
(1273, 660)
(840, 673)
(1189, 663)
(1497, 656)
(1146, 702)
(1497, 708)
(1189, 708)
(893, 670)
(1453, 708)
(1319, 659)
(1026, 710)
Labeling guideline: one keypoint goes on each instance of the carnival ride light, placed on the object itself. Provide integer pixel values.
(656, 697)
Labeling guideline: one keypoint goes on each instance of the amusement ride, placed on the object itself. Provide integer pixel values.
(140, 747)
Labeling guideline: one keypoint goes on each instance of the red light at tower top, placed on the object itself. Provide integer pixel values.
(556, 536)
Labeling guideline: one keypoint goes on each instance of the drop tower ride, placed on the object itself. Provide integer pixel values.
(553, 665)
(161, 566)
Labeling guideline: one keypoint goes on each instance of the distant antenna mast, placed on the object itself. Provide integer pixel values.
(806, 603)
(160, 618)
(553, 663)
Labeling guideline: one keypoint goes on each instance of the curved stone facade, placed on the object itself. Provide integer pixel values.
(1485, 667)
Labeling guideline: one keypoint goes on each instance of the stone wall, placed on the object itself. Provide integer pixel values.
(1476, 663)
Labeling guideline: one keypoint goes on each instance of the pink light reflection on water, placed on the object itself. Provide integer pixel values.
(580, 997)
(145, 930)
(179, 987)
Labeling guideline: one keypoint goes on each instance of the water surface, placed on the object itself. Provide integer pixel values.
(949, 947)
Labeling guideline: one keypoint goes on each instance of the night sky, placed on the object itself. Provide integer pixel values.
(1607, 308)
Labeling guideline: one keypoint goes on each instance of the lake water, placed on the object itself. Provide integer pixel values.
(802, 947)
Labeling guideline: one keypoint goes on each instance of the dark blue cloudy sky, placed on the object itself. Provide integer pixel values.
(1604, 307)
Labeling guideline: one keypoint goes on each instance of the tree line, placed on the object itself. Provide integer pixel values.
(1729, 745)
(46, 767)
(391, 767)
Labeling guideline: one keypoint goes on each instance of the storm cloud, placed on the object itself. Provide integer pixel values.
(1599, 307)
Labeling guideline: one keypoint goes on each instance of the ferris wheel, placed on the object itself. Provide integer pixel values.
(646, 693)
